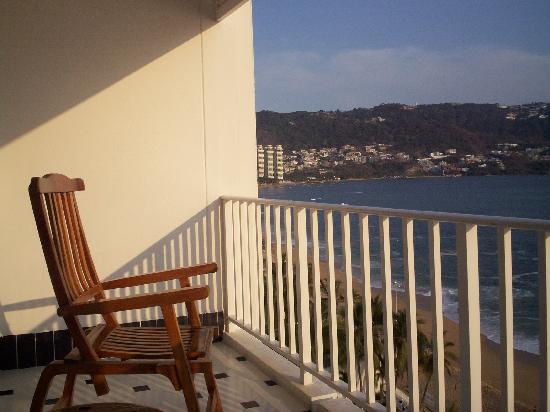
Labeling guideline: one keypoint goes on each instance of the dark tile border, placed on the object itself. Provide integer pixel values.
(26, 350)
(44, 348)
(8, 352)
(38, 349)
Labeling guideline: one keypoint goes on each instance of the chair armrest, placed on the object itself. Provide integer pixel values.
(142, 301)
(160, 276)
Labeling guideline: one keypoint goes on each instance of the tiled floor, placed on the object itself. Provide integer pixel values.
(242, 386)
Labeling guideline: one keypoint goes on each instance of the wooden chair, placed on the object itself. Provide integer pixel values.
(177, 352)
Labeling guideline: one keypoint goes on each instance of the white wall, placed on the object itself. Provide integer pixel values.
(152, 104)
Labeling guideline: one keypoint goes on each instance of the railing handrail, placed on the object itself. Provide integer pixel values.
(481, 220)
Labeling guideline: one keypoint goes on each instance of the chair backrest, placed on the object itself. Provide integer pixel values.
(68, 258)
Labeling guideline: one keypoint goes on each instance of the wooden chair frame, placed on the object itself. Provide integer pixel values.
(177, 352)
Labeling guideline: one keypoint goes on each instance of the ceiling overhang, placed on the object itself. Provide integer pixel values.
(225, 7)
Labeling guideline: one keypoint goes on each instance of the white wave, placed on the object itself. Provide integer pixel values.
(523, 293)
(523, 274)
(448, 253)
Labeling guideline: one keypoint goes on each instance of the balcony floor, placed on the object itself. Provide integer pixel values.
(242, 386)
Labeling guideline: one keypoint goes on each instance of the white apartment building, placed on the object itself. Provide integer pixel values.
(261, 161)
(270, 162)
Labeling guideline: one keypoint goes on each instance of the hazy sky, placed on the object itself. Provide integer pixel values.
(321, 54)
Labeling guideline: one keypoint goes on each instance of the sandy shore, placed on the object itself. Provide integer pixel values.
(526, 369)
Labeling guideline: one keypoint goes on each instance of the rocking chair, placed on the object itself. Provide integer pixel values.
(177, 352)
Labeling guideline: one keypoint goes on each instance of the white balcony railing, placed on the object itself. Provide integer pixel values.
(283, 307)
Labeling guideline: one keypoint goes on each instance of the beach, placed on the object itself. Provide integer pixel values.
(526, 371)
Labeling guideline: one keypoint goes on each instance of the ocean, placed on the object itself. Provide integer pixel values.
(514, 196)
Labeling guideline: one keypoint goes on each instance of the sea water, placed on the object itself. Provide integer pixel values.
(513, 196)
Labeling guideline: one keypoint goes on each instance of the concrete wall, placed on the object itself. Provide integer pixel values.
(152, 104)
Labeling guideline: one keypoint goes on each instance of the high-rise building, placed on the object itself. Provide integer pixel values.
(261, 161)
(270, 162)
(279, 162)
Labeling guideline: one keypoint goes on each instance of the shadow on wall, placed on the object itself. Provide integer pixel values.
(57, 53)
(196, 241)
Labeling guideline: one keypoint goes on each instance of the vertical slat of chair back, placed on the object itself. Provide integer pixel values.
(60, 228)
(68, 258)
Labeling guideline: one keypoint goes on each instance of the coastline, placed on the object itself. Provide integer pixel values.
(358, 179)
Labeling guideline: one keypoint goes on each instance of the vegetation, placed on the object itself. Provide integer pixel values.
(425, 345)
(416, 130)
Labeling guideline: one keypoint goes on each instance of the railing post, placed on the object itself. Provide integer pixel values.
(238, 259)
(332, 308)
(317, 290)
(302, 286)
(269, 272)
(228, 264)
(253, 268)
(544, 315)
(468, 299)
(412, 333)
(290, 282)
(437, 315)
(349, 303)
(385, 267)
(368, 342)
(260, 260)
(506, 320)
(280, 283)
(245, 264)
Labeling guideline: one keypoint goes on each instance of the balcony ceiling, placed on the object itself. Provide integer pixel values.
(225, 7)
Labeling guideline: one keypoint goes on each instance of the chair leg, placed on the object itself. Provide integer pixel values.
(100, 384)
(42, 387)
(66, 399)
(181, 363)
(214, 401)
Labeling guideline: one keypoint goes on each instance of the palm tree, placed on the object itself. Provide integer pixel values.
(426, 360)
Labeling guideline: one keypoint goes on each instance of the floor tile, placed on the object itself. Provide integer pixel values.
(239, 382)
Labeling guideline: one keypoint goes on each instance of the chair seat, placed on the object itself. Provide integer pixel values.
(154, 343)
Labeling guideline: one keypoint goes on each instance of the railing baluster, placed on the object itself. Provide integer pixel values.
(269, 272)
(302, 286)
(544, 315)
(385, 261)
(468, 306)
(238, 259)
(350, 327)
(253, 266)
(260, 260)
(410, 290)
(206, 303)
(245, 263)
(228, 263)
(504, 235)
(317, 290)
(367, 309)
(332, 309)
(280, 284)
(290, 282)
(213, 254)
(437, 315)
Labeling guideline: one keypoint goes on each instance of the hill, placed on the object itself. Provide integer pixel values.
(413, 129)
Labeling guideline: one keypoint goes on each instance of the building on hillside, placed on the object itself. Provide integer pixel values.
(270, 162)
(261, 161)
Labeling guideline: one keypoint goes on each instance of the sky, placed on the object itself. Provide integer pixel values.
(327, 55)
